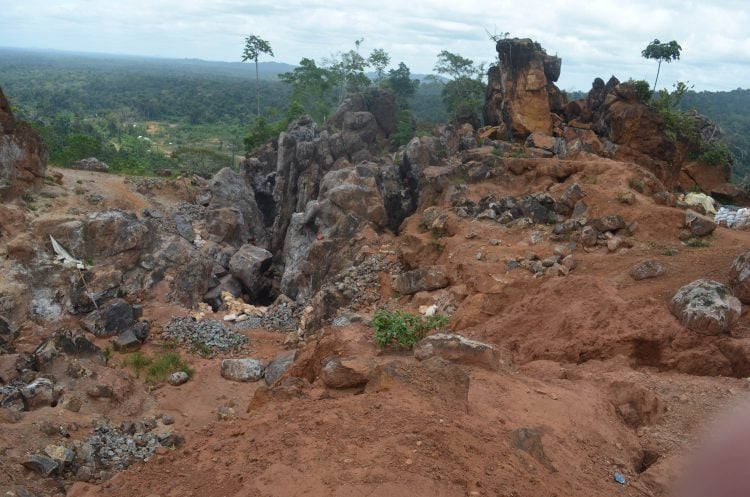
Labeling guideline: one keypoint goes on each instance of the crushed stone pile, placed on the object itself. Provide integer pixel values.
(208, 333)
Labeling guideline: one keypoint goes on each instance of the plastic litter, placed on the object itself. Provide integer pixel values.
(619, 478)
(64, 256)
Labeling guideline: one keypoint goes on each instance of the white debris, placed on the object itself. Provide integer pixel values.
(706, 201)
(64, 256)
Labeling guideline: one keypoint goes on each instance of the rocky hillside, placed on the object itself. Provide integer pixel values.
(523, 309)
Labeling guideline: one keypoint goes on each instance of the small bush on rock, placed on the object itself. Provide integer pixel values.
(402, 328)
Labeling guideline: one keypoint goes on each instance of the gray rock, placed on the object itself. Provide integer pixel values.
(167, 420)
(589, 236)
(178, 378)
(8, 333)
(647, 269)
(248, 265)
(569, 262)
(84, 473)
(91, 164)
(572, 195)
(38, 393)
(278, 366)
(706, 307)
(41, 464)
(184, 227)
(126, 342)
(698, 224)
(420, 280)
(62, 455)
(346, 372)
(243, 370)
(608, 223)
(739, 277)
(110, 319)
(456, 348)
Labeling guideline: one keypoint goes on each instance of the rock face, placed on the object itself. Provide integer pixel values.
(23, 156)
(521, 92)
(420, 280)
(739, 277)
(706, 307)
(248, 265)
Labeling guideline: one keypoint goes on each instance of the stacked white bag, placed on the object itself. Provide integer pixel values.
(733, 218)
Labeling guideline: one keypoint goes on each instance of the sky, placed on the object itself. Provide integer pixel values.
(594, 38)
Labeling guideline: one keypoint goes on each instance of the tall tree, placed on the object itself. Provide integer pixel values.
(379, 60)
(399, 80)
(663, 52)
(254, 46)
(465, 91)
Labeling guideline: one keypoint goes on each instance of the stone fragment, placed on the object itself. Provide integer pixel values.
(420, 280)
(111, 318)
(739, 277)
(38, 393)
(345, 372)
(647, 269)
(178, 378)
(42, 464)
(698, 224)
(278, 366)
(243, 370)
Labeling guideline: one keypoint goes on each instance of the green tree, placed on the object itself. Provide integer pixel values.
(379, 60)
(662, 52)
(312, 86)
(465, 92)
(348, 69)
(254, 46)
(400, 82)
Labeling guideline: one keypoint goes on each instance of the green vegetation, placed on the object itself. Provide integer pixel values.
(402, 328)
(464, 93)
(254, 46)
(697, 243)
(662, 52)
(157, 368)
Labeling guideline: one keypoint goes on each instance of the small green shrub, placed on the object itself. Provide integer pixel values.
(637, 184)
(164, 365)
(107, 353)
(697, 243)
(669, 251)
(138, 362)
(715, 154)
(402, 328)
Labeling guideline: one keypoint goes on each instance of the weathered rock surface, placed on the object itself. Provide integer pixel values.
(112, 318)
(23, 155)
(232, 213)
(739, 277)
(521, 91)
(243, 370)
(647, 269)
(346, 372)
(706, 307)
(38, 393)
(698, 224)
(248, 265)
(278, 366)
(420, 280)
(456, 348)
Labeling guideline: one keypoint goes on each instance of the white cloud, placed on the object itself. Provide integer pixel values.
(593, 38)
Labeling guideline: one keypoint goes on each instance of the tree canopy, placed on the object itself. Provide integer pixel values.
(254, 46)
(662, 52)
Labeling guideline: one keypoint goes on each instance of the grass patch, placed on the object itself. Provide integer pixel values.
(402, 328)
(158, 368)
(697, 243)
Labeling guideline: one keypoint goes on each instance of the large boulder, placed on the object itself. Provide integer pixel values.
(346, 372)
(521, 88)
(698, 224)
(247, 265)
(242, 370)
(23, 155)
(232, 213)
(706, 307)
(739, 277)
(647, 269)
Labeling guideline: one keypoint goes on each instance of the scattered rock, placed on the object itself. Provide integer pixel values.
(178, 378)
(608, 223)
(38, 393)
(278, 366)
(345, 372)
(457, 348)
(706, 307)
(647, 269)
(41, 464)
(698, 224)
(243, 370)
(111, 318)
(126, 342)
(739, 277)
(91, 164)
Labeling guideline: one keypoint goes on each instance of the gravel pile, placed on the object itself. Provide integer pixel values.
(207, 333)
(194, 212)
(282, 317)
(119, 447)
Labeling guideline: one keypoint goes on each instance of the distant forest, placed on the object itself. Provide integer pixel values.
(142, 114)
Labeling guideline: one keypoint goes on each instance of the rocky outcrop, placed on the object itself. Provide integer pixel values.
(23, 155)
(521, 92)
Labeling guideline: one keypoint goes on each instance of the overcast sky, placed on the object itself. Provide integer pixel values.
(593, 37)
